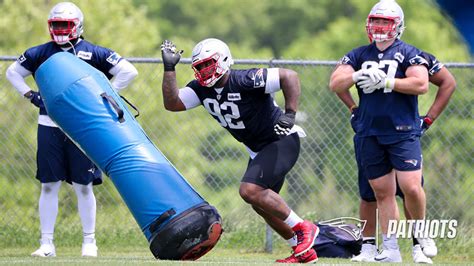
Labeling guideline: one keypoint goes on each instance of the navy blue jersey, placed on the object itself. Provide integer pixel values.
(99, 57)
(383, 113)
(243, 107)
(434, 66)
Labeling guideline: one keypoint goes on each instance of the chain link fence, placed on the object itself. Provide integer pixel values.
(322, 185)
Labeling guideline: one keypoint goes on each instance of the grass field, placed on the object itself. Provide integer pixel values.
(136, 256)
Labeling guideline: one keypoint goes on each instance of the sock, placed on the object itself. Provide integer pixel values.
(368, 240)
(48, 210)
(390, 243)
(292, 219)
(86, 204)
(292, 241)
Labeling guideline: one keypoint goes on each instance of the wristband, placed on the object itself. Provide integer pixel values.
(389, 83)
(428, 120)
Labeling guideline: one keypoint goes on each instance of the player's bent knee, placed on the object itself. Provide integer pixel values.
(248, 193)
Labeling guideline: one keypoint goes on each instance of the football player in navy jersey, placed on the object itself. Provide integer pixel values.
(389, 75)
(440, 76)
(241, 102)
(58, 159)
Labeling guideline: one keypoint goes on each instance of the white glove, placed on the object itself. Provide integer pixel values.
(372, 73)
(374, 80)
(369, 86)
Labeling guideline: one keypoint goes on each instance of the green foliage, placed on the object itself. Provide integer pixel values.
(114, 24)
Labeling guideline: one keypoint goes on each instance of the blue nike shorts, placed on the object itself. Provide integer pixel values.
(402, 155)
(377, 156)
(58, 159)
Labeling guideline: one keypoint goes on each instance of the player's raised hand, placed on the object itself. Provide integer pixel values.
(285, 122)
(170, 55)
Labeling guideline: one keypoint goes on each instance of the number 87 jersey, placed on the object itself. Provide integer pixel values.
(244, 106)
(386, 112)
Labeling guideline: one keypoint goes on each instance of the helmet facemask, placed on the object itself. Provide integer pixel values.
(211, 59)
(382, 31)
(207, 71)
(63, 31)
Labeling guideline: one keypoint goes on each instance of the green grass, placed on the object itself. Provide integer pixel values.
(142, 256)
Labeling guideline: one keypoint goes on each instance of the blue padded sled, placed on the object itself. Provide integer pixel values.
(82, 102)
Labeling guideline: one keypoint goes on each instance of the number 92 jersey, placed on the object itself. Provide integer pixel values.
(244, 106)
(384, 112)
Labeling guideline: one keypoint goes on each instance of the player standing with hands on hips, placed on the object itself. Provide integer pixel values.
(58, 159)
(440, 76)
(389, 75)
(241, 102)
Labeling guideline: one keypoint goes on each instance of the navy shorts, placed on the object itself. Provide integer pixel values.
(377, 156)
(273, 162)
(58, 159)
(403, 153)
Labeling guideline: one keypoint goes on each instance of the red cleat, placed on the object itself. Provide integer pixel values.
(306, 232)
(309, 257)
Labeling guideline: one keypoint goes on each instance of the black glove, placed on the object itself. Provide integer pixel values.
(426, 122)
(170, 55)
(35, 98)
(285, 122)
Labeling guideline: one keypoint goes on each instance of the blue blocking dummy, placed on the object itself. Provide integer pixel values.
(175, 219)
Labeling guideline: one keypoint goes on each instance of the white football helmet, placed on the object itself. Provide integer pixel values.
(65, 22)
(390, 10)
(211, 59)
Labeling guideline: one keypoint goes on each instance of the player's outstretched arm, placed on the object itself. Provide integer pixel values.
(170, 57)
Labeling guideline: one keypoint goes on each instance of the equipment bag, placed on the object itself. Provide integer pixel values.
(339, 237)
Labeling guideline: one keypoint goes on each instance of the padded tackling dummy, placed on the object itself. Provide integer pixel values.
(175, 219)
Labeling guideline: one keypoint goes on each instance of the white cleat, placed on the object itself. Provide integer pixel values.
(89, 249)
(389, 255)
(428, 246)
(419, 256)
(46, 250)
(367, 254)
